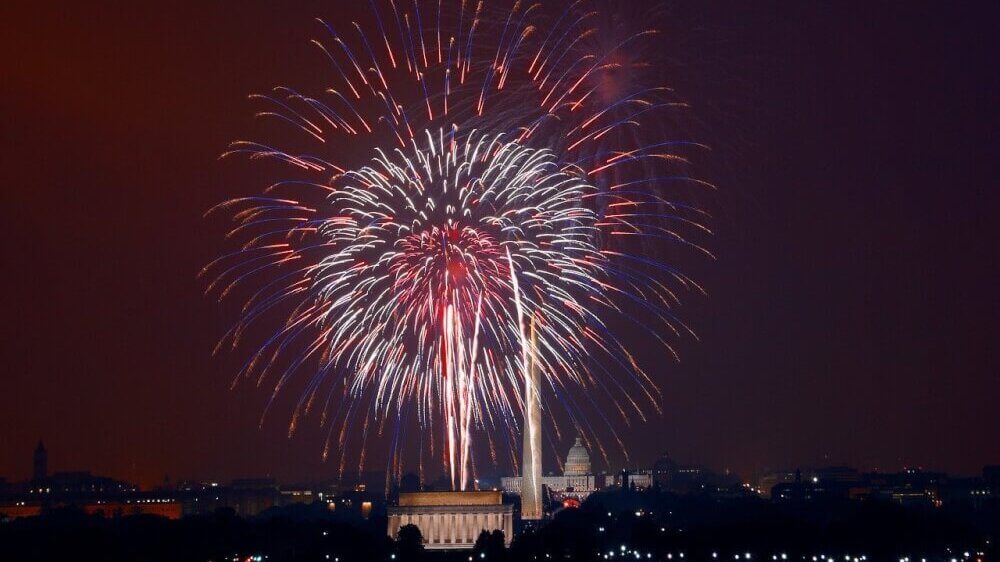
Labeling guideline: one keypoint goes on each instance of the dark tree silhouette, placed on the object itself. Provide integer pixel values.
(410, 542)
(491, 545)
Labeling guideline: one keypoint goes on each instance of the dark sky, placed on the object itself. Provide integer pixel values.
(853, 306)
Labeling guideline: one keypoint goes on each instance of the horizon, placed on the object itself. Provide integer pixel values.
(353, 476)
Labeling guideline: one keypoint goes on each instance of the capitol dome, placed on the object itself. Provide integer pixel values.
(578, 460)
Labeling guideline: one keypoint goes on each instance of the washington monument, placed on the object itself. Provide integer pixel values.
(531, 481)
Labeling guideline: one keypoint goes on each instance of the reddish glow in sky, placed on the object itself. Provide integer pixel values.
(853, 305)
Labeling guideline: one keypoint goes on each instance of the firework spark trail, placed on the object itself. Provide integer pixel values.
(406, 275)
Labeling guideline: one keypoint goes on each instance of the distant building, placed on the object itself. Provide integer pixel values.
(640, 479)
(40, 470)
(200, 498)
(578, 460)
(973, 492)
(911, 487)
(251, 496)
(452, 520)
(83, 483)
(577, 481)
(831, 480)
(687, 479)
(805, 489)
(159, 508)
(18, 510)
(991, 476)
(664, 471)
(767, 482)
(295, 495)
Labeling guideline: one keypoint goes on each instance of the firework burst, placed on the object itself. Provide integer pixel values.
(469, 177)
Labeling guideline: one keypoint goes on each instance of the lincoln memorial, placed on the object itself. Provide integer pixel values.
(452, 520)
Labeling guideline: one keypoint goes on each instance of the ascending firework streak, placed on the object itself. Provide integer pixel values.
(478, 192)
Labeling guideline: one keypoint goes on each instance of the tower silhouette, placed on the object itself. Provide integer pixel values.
(41, 465)
(531, 481)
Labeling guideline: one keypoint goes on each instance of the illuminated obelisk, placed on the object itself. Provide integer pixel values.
(531, 462)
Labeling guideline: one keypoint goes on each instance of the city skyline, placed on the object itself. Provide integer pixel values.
(555, 468)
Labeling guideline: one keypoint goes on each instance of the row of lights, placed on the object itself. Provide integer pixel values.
(624, 552)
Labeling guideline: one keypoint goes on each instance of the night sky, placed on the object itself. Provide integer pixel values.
(853, 305)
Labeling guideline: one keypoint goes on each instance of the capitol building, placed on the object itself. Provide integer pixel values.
(454, 520)
(576, 481)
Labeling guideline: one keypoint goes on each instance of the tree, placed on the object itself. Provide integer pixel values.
(490, 546)
(410, 542)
